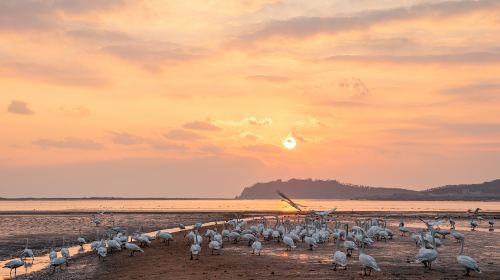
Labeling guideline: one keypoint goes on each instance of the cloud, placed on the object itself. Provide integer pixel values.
(312, 121)
(166, 146)
(249, 120)
(211, 149)
(43, 15)
(68, 143)
(263, 148)
(269, 78)
(299, 137)
(251, 136)
(75, 111)
(124, 138)
(299, 27)
(208, 125)
(181, 134)
(19, 107)
(66, 75)
(475, 92)
(356, 86)
(453, 58)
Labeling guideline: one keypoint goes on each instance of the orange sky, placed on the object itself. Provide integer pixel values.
(194, 98)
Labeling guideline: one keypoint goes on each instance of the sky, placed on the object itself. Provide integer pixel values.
(195, 98)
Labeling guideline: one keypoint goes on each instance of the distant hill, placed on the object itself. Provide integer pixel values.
(332, 189)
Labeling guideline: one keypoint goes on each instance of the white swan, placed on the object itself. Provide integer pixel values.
(133, 248)
(195, 250)
(367, 261)
(13, 265)
(289, 243)
(64, 250)
(339, 257)
(458, 236)
(102, 251)
(214, 246)
(58, 262)
(27, 253)
(467, 262)
(426, 256)
(80, 239)
(257, 247)
(166, 236)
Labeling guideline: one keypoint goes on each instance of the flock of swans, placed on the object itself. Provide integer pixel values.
(313, 229)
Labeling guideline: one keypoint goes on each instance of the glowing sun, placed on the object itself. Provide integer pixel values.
(289, 143)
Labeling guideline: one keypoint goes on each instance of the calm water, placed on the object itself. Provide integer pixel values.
(242, 205)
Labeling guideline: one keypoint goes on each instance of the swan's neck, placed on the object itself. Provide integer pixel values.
(461, 248)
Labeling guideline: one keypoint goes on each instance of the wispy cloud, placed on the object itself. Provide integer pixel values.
(125, 138)
(207, 125)
(251, 136)
(308, 26)
(68, 143)
(19, 107)
(181, 134)
(265, 121)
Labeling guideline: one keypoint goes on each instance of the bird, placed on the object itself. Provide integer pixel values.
(289, 243)
(367, 261)
(339, 257)
(491, 223)
(289, 201)
(427, 256)
(458, 236)
(166, 236)
(133, 248)
(58, 262)
(13, 265)
(27, 253)
(81, 241)
(214, 246)
(102, 251)
(65, 250)
(467, 262)
(257, 247)
(195, 250)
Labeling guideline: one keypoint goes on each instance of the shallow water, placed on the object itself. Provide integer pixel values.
(242, 205)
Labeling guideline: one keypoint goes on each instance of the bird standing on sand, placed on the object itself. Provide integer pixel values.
(133, 248)
(339, 257)
(195, 248)
(13, 265)
(367, 261)
(257, 247)
(467, 262)
(27, 253)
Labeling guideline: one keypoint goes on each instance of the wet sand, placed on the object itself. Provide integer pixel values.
(395, 257)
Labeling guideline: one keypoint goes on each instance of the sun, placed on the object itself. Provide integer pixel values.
(289, 143)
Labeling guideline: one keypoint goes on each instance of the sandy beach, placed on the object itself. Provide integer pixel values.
(396, 258)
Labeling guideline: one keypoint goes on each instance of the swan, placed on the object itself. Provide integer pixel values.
(491, 223)
(257, 247)
(288, 242)
(218, 238)
(235, 236)
(58, 262)
(458, 236)
(403, 230)
(80, 239)
(166, 236)
(114, 244)
(27, 253)
(195, 249)
(13, 265)
(426, 256)
(214, 245)
(102, 251)
(64, 250)
(473, 225)
(467, 262)
(339, 257)
(133, 248)
(250, 238)
(53, 253)
(367, 261)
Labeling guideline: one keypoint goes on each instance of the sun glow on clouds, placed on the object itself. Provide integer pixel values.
(143, 80)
